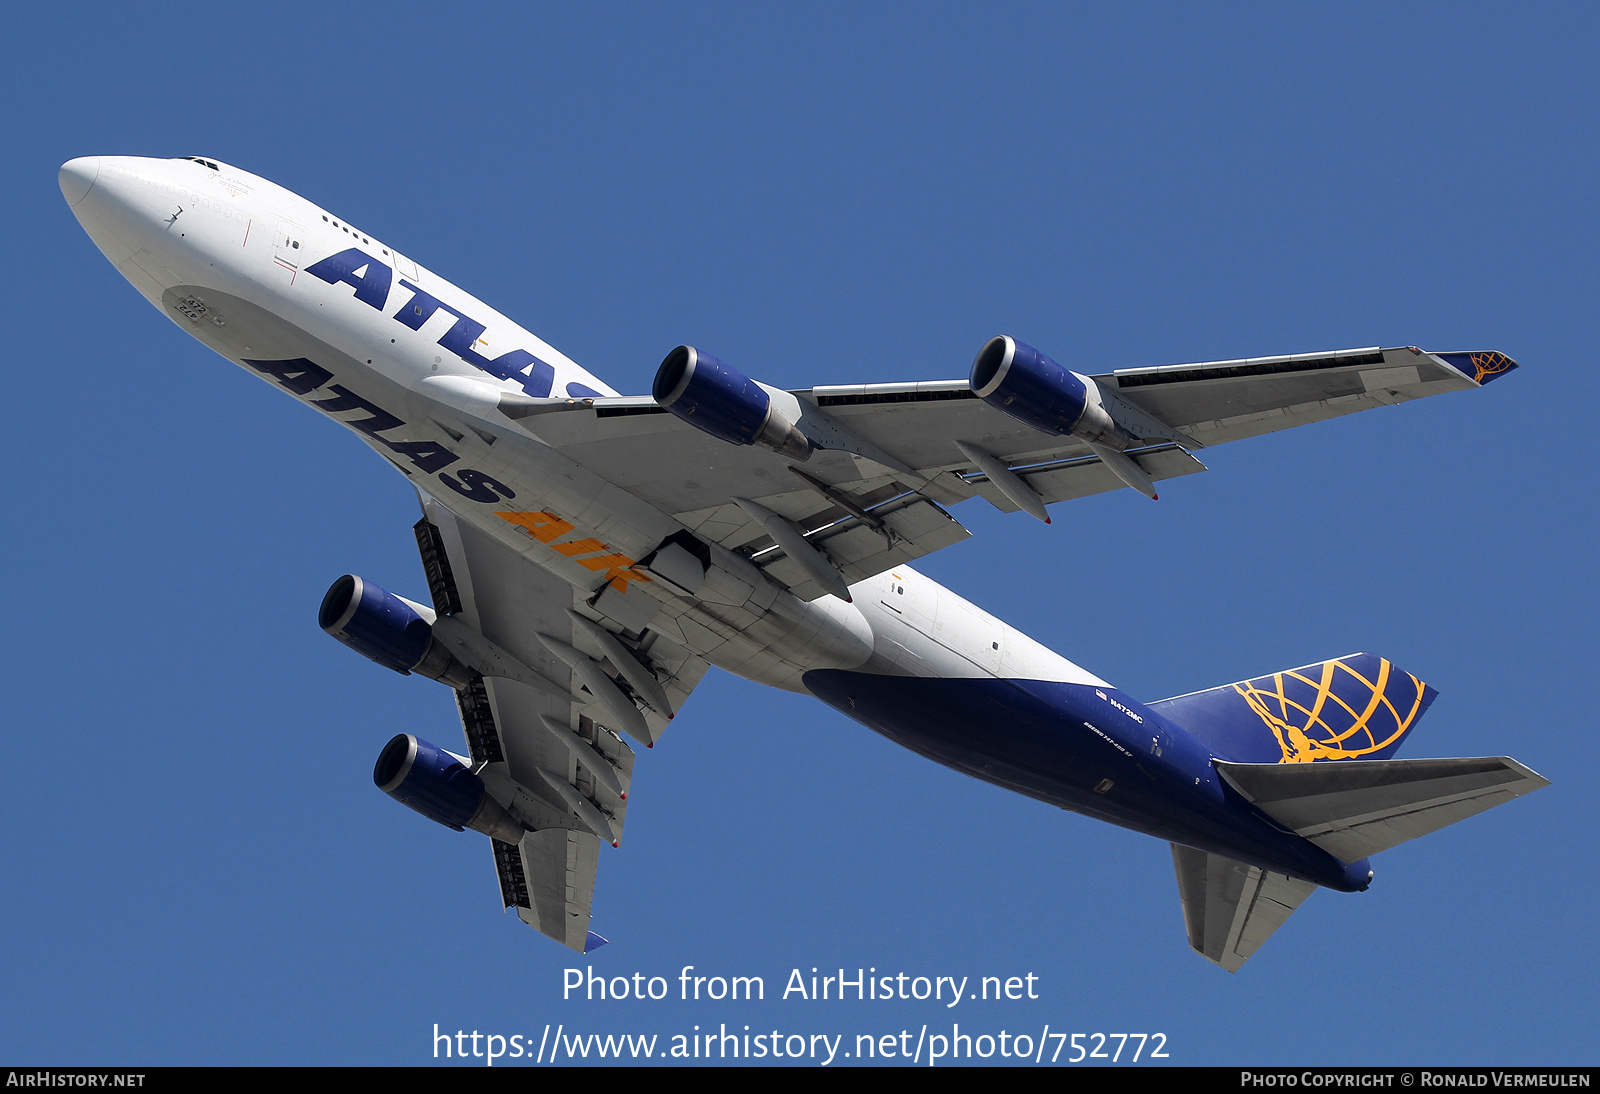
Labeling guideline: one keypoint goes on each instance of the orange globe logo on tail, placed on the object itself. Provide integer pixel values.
(1337, 714)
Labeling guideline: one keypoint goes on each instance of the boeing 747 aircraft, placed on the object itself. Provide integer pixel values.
(589, 555)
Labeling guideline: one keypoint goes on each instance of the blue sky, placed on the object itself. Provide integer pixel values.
(198, 868)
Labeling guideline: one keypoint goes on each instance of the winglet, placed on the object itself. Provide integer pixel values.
(1480, 367)
(594, 942)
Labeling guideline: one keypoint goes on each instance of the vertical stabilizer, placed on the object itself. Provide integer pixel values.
(1358, 707)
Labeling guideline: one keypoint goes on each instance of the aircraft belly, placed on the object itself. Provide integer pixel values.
(1061, 743)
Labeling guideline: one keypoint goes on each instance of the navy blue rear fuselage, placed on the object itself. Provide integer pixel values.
(1089, 749)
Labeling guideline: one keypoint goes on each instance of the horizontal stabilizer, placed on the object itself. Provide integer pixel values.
(1355, 810)
(1230, 908)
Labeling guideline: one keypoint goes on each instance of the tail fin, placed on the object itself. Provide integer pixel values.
(1349, 708)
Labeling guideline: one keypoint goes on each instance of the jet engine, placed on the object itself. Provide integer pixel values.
(388, 629)
(1018, 380)
(436, 784)
(720, 400)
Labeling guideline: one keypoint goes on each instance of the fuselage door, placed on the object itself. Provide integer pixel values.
(911, 600)
(404, 266)
(287, 240)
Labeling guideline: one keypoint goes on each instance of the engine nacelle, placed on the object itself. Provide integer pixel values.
(384, 628)
(428, 779)
(1018, 380)
(722, 401)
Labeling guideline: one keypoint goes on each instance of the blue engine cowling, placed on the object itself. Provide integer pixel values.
(1018, 380)
(718, 399)
(384, 628)
(425, 777)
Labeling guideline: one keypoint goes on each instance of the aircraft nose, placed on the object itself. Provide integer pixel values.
(77, 178)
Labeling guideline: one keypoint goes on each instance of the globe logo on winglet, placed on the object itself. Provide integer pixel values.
(1490, 364)
(1332, 711)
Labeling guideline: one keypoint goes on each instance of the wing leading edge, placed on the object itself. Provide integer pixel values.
(864, 516)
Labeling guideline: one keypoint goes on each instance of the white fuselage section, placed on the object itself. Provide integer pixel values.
(417, 367)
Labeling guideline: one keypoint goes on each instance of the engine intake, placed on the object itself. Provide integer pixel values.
(388, 629)
(718, 399)
(426, 778)
(1018, 380)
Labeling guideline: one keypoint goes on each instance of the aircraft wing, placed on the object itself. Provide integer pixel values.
(1216, 401)
(547, 753)
(867, 516)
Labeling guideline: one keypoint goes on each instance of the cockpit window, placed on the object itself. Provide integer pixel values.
(201, 162)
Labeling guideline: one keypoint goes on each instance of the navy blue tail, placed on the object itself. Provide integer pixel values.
(1350, 708)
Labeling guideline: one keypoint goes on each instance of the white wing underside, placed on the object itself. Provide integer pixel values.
(549, 878)
(633, 443)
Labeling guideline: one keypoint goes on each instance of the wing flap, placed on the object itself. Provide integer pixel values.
(560, 865)
(912, 527)
(1353, 810)
(1080, 476)
(1231, 908)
